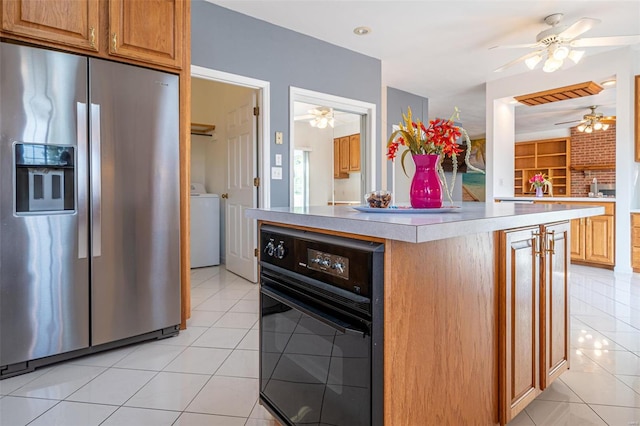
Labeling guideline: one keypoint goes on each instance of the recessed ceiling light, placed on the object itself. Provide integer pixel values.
(608, 83)
(361, 30)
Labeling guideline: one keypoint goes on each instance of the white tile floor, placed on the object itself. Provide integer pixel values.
(208, 374)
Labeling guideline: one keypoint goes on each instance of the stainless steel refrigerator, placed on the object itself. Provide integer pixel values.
(89, 205)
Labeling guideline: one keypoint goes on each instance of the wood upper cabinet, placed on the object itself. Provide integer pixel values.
(354, 153)
(67, 22)
(344, 154)
(534, 345)
(143, 31)
(149, 30)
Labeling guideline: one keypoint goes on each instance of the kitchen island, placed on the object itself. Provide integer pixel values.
(475, 304)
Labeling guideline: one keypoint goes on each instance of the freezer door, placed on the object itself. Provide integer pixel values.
(44, 274)
(135, 202)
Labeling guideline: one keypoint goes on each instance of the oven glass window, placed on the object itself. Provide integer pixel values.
(314, 374)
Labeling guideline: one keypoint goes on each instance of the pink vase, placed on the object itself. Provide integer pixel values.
(426, 189)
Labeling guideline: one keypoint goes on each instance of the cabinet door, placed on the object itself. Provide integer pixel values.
(69, 23)
(578, 227)
(354, 153)
(599, 240)
(554, 304)
(519, 320)
(149, 30)
(344, 154)
(336, 158)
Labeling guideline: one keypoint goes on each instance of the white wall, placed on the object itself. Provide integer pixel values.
(210, 102)
(623, 64)
(319, 143)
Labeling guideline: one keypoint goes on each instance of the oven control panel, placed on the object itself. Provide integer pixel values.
(328, 263)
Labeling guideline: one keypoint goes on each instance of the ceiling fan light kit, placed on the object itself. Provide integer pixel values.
(593, 121)
(558, 42)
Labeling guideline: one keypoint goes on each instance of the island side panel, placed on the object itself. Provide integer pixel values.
(441, 343)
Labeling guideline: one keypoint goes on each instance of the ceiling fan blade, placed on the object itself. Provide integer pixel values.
(515, 46)
(304, 117)
(515, 61)
(567, 122)
(581, 26)
(606, 41)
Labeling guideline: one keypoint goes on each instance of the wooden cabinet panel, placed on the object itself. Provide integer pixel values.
(354, 153)
(337, 173)
(534, 313)
(635, 242)
(599, 239)
(70, 23)
(577, 239)
(344, 154)
(149, 30)
(554, 304)
(519, 320)
(593, 239)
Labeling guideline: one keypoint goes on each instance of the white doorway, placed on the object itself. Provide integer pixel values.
(365, 114)
(236, 156)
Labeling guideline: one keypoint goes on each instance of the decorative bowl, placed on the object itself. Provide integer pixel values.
(378, 199)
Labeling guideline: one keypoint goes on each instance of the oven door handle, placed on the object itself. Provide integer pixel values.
(314, 313)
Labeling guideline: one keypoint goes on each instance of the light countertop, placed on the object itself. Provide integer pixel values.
(417, 228)
(559, 199)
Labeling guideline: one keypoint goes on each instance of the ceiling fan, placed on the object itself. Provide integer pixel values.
(592, 121)
(559, 41)
(320, 117)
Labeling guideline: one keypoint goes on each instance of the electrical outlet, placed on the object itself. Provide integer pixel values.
(279, 138)
(278, 159)
(276, 173)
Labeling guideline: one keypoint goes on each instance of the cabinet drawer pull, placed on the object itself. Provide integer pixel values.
(114, 42)
(539, 243)
(92, 37)
(552, 243)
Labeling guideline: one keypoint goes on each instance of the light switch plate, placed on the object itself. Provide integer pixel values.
(276, 173)
(278, 159)
(279, 138)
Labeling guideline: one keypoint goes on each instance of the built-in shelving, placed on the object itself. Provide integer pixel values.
(550, 157)
(202, 129)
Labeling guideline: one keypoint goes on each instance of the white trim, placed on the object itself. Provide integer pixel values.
(264, 121)
(367, 109)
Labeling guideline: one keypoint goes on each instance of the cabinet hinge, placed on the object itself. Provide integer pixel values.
(256, 181)
(255, 252)
(256, 110)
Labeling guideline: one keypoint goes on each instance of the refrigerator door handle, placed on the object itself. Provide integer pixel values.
(81, 168)
(96, 183)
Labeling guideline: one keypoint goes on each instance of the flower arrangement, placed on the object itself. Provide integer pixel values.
(439, 137)
(539, 180)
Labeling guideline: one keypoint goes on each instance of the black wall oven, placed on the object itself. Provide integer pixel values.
(321, 328)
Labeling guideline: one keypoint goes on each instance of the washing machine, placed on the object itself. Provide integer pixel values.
(205, 227)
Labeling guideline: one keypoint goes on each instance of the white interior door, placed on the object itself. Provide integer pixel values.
(242, 193)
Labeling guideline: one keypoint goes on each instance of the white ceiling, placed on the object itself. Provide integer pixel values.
(439, 49)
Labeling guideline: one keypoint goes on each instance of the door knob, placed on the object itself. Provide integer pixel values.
(225, 195)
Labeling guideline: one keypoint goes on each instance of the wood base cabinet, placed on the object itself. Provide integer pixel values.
(533, 300)
(592, 238)
(635, 242)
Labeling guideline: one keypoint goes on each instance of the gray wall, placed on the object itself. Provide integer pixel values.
(397, 103)
(228, 41)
